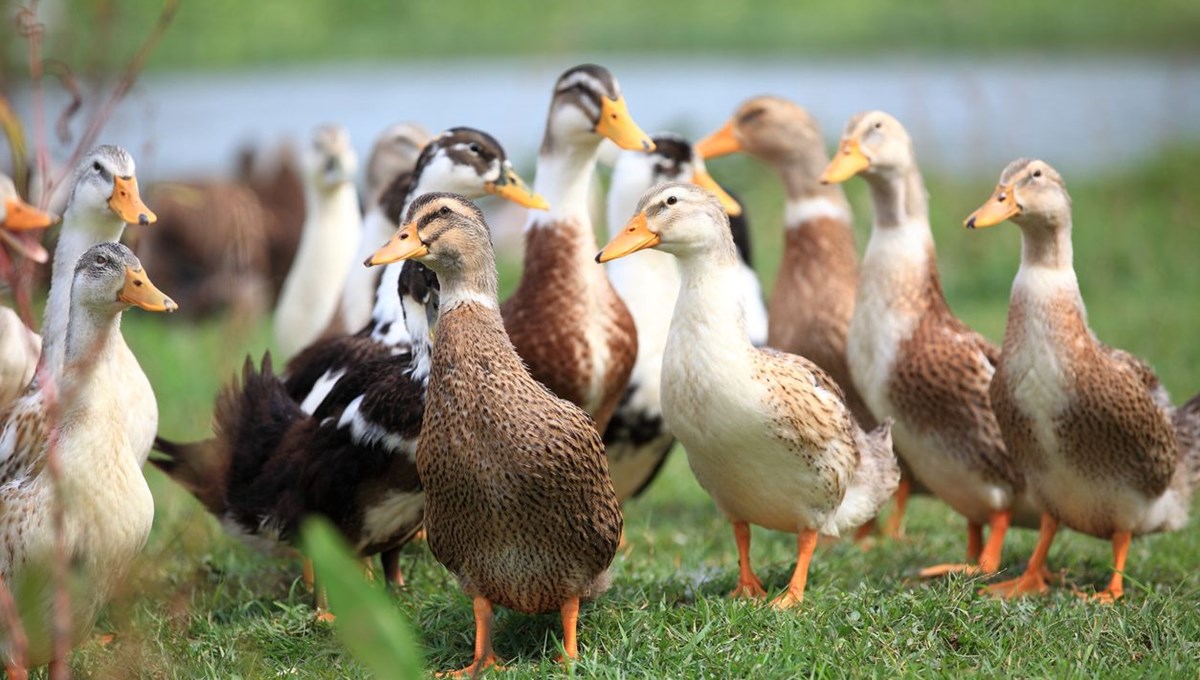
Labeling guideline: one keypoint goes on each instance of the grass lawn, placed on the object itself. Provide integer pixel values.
(202, 605)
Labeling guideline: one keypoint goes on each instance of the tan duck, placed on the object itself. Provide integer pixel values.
(913, 360)
(1090, 426)
(106, 506)
(518, 502)
(768, 434)
(813, 298)
(565, 319)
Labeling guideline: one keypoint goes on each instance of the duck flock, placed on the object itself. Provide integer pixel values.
(512, 432)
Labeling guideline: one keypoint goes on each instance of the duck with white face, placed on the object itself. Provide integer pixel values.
(636, 439)
(767, 434)
(349, 408)
(565, 319)
(393, 153)
(1102, 448)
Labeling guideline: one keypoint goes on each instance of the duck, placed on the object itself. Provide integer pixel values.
(106, 505)
(20, 347)
(768, 434)
(565, 318)
(103, 199)
(637, 440)
(328, 242)
(913, 360)
(336, 433)
(815, 288)
(394, 153)
(519, 505)
(1103, 450)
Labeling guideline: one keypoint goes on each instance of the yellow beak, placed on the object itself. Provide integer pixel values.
(848, 162)
(616, 124)
(636, 236)
(140, 292)
(1001, 206)
(19, 215)
(720, 143)
(405, 245)
(126, 202)
(510, 186)
(704, 180)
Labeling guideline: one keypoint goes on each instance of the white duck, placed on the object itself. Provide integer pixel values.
(107, 507)
(328, 243)
(767, 434)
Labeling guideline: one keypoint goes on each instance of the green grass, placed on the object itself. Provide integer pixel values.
(234, 34)
(202, 605)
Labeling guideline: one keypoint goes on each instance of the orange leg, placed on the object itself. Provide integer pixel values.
(323, 613)
(989, 559)
(391, 567)
(306, 572)
(806, 542)
(1034, 578)
(974, 541)
(895, 523)
(570, 622)
(484, 656)
(1116, 586)
(748, 585)
(863, 533)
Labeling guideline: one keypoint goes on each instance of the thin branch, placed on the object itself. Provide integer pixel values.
(61, 612)
(18, 641)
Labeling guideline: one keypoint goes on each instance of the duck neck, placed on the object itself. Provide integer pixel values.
(387, 316)
(564, 174)
(1047, 245)
(709, 307)
(898, 197)
(476, 284)
(92, 336)
(80, 231)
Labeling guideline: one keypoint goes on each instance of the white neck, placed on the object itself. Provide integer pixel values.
(387, 317)
(800, 211)
(564, 177)
(362, 282)
(454, 298)
(710, 306)
(80, 231)
(1047, 270)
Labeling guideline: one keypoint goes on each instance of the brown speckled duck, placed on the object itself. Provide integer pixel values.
(768, 434)
(813, 299)
(518, 502)
(565, 319)
(913, 360)
(1090, 426)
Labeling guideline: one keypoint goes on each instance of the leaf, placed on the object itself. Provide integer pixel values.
(367, 622)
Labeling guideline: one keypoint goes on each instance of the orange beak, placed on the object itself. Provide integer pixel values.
(19, 215)
(704, 180)
(511, 187)
(126, 202)
(405, 245)
(634, 237)
(720, 143)
(140, 292)
(616, 124)
(848, 162)
(1001, 206)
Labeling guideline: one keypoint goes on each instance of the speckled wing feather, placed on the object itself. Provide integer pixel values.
(24, 437)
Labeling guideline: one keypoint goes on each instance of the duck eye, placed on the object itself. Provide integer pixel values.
(879, 125)
(444, 211)
(671, 200)
(1037, 173)
(101, 260)
(475, 148)
(97, 167)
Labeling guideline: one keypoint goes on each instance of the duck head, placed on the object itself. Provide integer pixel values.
(588, 106)
(16, 214)
(110, 277)
(771, 129)
(106, 183)
(471, 163)
(330, 161)
(673, 159)
(1030, 193)
(393, 153)
(678, 218)
(874, 144)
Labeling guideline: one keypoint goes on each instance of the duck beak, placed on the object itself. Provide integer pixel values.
(848, 162)
(616, 124)
(19, 215)
(140, 292)
(720, 143)
(511, 187)
(1001, 206)
(704, 180)
(405, 245)
(126, 202)
(634, 237)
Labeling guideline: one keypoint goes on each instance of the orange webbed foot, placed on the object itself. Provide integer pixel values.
(748, 589)
(1025, 584)
(788, 600)
(489, 662)
(325, 616)
(940, 570)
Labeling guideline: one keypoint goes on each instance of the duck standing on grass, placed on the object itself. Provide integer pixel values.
(1102, 448)
(913, 360)
(768, 434)
(518, 501)
(107, 507)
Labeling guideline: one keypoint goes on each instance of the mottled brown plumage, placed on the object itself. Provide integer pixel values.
(1091, 427)
(518, 502)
